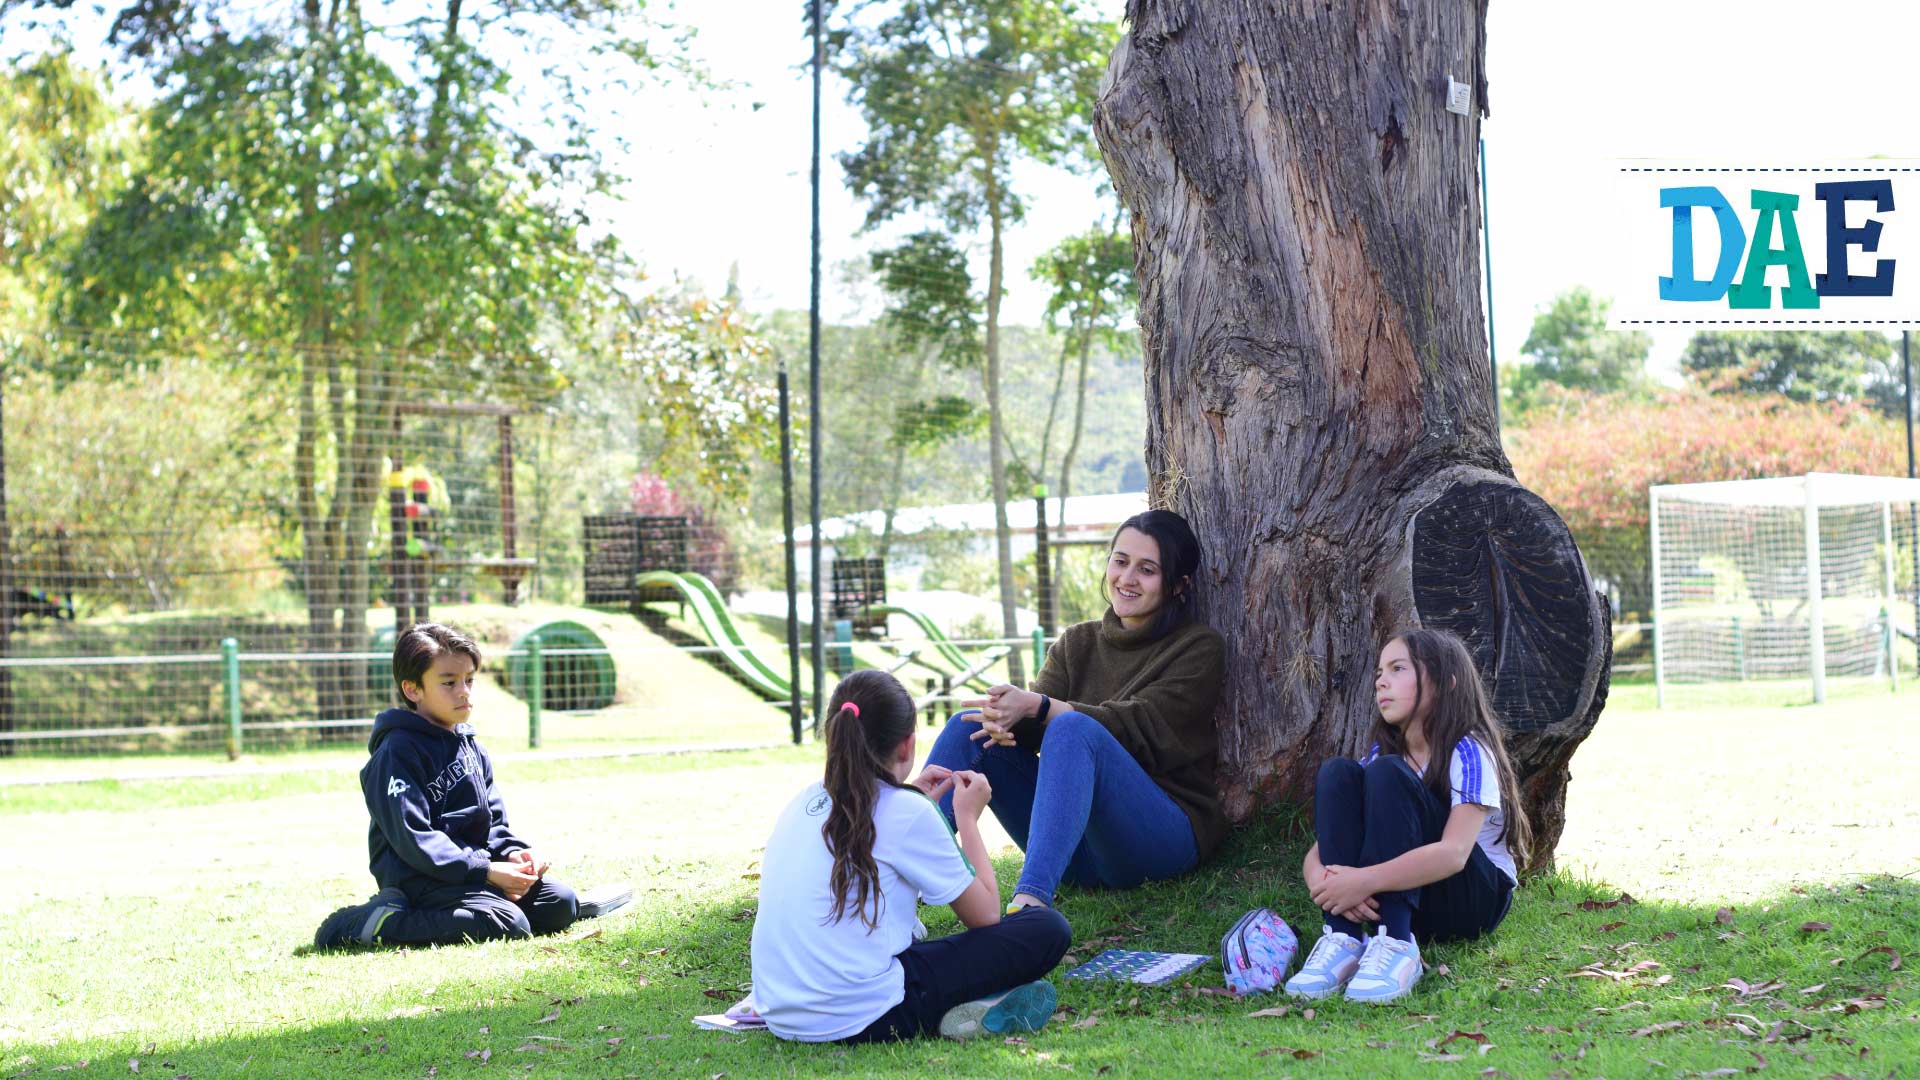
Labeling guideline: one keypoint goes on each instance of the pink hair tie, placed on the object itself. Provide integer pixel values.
(852, 708)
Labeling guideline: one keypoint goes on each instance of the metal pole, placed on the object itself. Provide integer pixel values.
(1659, 665)
(536, 689)
(1816, 621)
(793, 561)
(1893, 598)
(1042, 564)
(6, 583)
(813, 395)
(1486, 236)
(1039, 650)
(1913, 512)
(230, 668)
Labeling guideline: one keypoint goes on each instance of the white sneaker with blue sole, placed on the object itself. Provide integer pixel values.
(1023, 1008)
(1334, 959)
(1389, 970)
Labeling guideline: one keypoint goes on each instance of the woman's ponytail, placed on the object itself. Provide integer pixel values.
(871, 715)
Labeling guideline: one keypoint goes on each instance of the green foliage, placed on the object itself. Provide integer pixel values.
(1571, 347)
(956, 92)
(1092, 278)
(69, 149)
(153, 520)
(931, 304)
(1801, 365)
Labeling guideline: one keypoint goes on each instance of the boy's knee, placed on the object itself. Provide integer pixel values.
(558, 907)
(498, 916)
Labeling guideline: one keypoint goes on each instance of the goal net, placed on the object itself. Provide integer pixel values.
(1803, 582)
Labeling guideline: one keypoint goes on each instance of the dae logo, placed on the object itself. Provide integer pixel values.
(1818, 247)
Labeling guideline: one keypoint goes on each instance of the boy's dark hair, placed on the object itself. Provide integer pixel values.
(419, 645)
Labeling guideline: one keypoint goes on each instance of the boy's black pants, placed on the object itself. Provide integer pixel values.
(449, 914)
(949, 971)
(1367, 816)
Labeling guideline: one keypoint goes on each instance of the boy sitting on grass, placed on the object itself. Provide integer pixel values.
(448, 865)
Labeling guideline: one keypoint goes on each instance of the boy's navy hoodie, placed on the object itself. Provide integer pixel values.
(437, 816)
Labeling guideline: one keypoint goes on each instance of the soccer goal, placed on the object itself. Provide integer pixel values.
(1790, 578)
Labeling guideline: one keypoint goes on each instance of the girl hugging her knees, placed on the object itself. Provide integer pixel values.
(835, 949)
(1419, 838)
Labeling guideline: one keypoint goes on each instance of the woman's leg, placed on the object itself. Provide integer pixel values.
(1098, 818)
(1339, 824)
(1010, 771)
(1402, 813)
(946, 972)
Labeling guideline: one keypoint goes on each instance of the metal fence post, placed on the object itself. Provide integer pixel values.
(230, 669)
(536, 689)
(1740, 648)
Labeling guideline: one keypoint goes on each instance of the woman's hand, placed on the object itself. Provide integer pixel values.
(1004, 706)
(1343, 889)
(933, 781)
(971, 793)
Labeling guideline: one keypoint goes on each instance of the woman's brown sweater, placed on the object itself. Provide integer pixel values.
(1156, 697)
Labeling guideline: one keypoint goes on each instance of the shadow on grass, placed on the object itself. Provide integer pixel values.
(1579, 981)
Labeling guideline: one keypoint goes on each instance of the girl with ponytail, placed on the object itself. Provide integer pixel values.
(835, 955)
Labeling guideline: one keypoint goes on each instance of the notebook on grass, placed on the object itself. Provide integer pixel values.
(743, 1016)
(1146, 968)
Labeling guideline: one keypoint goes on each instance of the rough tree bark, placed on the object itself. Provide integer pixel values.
(1305, 225)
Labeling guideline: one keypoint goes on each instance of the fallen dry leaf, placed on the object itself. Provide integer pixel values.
(133, 1064)
(1893, 965)
(549, 1018)
(1086, 1023)
(1306, 1014)
(1597, 905)
(1608, 928)
(1298, 1054)
(1724, 916)
(1277, 1011)
(1658, 1029)
(1479, 1038)
(1813, 927)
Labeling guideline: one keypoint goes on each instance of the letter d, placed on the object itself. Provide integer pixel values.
(1733, 240)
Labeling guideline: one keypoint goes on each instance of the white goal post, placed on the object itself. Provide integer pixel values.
(1792, 577)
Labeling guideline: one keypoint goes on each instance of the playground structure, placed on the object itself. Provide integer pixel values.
(417, 501)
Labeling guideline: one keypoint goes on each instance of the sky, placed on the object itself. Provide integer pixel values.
(720, 178)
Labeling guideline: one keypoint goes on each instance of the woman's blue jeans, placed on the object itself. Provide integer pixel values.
(1083, 809)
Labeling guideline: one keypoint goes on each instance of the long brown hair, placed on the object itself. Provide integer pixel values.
(1443, 671)
(870, 715)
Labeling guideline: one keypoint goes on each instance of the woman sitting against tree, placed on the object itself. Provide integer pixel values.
(1102, 772)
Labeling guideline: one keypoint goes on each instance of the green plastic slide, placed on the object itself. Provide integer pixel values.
(710, 612)
(941, 643)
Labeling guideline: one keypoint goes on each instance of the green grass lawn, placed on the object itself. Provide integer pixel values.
(162, 922)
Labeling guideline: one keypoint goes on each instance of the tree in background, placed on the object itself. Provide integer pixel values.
(1802, 365)
(1093, 297)
(342, 199)
(955, 94)
(1571, 347)
(1595, 460)
(933, 315)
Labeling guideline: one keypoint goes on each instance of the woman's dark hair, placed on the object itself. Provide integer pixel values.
(419, 645)
(1179, 564)
(869, 717)
(1443, 671)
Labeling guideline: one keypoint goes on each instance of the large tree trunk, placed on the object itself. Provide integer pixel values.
(1305, 226)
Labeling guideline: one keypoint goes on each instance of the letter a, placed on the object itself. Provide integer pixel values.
(1753, 290)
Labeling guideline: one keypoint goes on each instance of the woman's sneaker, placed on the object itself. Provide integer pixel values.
(1334, 959)
(1388, 971)
(1023, 1008)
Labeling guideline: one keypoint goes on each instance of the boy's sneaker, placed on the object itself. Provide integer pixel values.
(360, 924)
(1334, 959)
(602, 901)
(1387, 972)
(1023, 1008)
